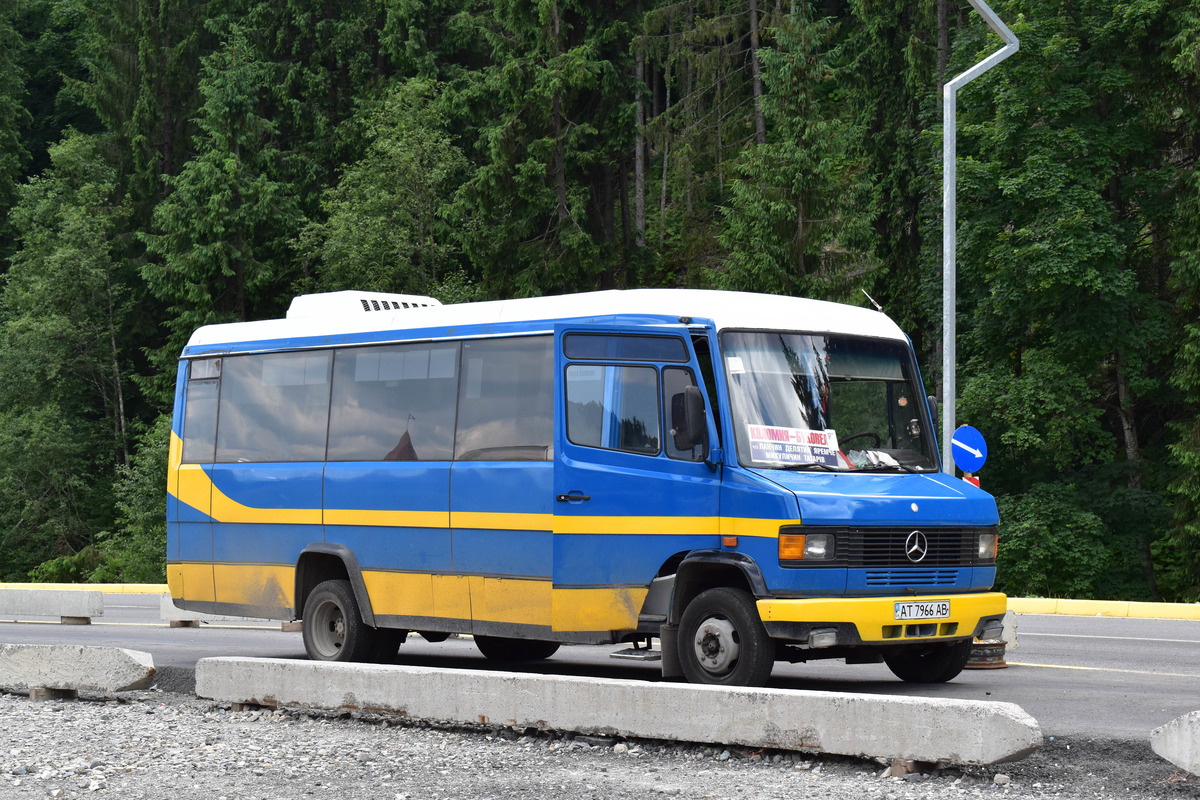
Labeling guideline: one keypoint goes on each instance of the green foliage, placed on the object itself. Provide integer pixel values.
(13, 115)
(134, 551)
(62, 400)
(1049, 545)
(798, 219)
(67, 569)
(222, 233)
(384, 227)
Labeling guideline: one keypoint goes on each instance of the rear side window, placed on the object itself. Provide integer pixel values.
(200, 411)
(274, 407)
(506, 400)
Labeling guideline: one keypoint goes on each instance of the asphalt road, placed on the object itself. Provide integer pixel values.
(1094, 677)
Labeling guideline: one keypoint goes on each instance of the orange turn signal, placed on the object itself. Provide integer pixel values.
(791, 546)
(729, 541)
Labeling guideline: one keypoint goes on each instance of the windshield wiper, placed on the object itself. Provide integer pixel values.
(809, 465)
(890, 468)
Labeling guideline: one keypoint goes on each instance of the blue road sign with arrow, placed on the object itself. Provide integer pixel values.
(968, 448)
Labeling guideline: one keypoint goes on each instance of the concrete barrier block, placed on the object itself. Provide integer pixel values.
(67, 604)
(1179, 742)
(24, 667)
(918, 729)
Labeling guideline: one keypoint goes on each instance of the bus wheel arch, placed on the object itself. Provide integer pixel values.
(320, 562)
(709, 569)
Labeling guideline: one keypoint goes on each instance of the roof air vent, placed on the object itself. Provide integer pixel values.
(333, 304)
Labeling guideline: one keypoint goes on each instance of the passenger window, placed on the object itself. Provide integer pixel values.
(394, 403)
(274, 407)
(615, 408)
(200, 411)
(506, 400)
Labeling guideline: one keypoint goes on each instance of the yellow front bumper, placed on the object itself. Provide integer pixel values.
(875, 617)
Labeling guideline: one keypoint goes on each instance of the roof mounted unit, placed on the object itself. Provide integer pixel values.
(328, 304)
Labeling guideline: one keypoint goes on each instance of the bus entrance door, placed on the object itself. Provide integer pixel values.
(631, 490)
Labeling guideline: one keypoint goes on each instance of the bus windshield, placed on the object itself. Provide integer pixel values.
(826, 402)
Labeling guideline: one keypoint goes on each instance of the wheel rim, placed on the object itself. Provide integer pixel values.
(716, 645)
(329, 629)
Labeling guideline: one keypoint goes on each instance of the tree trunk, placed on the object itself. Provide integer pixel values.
(639, 159)
(560, 177)
(760, 122)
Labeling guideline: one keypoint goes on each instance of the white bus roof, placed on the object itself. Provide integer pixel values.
(740, 310)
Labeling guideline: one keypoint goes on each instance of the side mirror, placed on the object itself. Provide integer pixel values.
(689, 428)
(933, 412)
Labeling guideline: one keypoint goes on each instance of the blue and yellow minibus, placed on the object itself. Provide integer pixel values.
(745, 478)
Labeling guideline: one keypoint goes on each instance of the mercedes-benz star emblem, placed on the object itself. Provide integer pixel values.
(916, 546)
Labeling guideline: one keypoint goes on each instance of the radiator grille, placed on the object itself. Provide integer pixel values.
(882, 550)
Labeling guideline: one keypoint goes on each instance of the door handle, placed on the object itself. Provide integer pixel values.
(566, 498)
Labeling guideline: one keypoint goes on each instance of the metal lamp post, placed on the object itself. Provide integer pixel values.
(949, 219)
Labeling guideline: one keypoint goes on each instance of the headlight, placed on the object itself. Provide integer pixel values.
(987, 547)
(806, 546)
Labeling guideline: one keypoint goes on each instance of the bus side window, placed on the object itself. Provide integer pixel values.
(200, 411)
(506, 400)
(274, 407)
(614, 408)
(394, 403)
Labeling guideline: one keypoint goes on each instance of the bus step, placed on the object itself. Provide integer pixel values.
(637, 654)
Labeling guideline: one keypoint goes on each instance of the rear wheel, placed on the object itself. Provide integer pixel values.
(934, 663)
(722, 640)
(497, 648)
(333, 628)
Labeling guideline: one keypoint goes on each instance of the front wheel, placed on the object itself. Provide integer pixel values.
(497, 648)
(933, 663)
(722, 641)
(333, 628)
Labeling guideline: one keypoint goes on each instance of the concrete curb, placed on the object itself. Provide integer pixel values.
(1104, 608)
(919, 729)
(76, 608)
(1179, 742)
(74, 668)
(104, 588)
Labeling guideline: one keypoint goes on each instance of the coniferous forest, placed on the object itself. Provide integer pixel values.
(165, 165)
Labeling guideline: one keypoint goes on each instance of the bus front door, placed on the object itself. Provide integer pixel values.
(632, 489)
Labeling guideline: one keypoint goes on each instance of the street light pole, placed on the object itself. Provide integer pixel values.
(949, 220)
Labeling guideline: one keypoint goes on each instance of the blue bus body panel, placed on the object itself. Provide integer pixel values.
(276, 486)
(391, 515)
(261, 543)
(500, 517)
(861, 498)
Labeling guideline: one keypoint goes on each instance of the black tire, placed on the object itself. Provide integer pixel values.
(497, 648)
(333, 627)
(387, 645)
(722, 641)
(932, 663)
(434, 636)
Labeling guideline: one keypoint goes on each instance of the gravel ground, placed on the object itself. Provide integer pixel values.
(167, 745)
